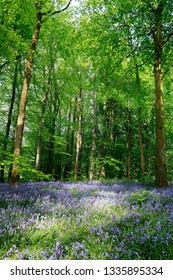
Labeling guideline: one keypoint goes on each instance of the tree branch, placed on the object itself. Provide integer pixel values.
(2, 65)
(7, 62)
(166, 39)
(167, 70)
(59, 11)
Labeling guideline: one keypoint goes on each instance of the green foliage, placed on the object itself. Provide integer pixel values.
(141, 198)
(17, 19)
(76, 192)
(94, 47)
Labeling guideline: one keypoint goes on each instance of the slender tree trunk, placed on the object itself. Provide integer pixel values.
(50, 148)
(160, 161)
(40, 130)
(72, 140)
(79, 135)
(138, 85)
(54, 110)
(129, 143)
(22, 106)
(94, 137)
(141, 143)
(46, 90)
(102, 167)
(69, 140)
(57, 159)
(9, 119)
(112, 107)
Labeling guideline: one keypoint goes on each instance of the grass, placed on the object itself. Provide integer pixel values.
(55, 220)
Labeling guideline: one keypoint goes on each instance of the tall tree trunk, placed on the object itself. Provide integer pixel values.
(129, 142)
(112, 108)
(138, 85)
(46, 90)
(22, 106)
(138, 88)
(71, 151)
(9, 118)
(160, 162)
(94, 137)
(71, 116)
(141, 143)
(40, 130)
(102, 152)
(79, 135)
(54, 107)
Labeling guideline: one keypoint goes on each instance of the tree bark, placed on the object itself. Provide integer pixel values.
(141, 143)
(129, 142)
(102, 152)
(71, 147)
(112, 108)
(71, 117)
(94, 137)
(138, 85)
(160, 161)
(9, 118)
(54, 110)
(40, 130)
(79, 135)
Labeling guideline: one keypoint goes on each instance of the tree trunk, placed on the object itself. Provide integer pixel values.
(112, 108)
(9, 119)
(54, 110)
(129, 142)
(15, 177)
(79, 136)
(40, 130)
(46, 88)
(160, 162)
(138, 85)
(71, 117)
(94, 137)
(102, 152)
(141, 143)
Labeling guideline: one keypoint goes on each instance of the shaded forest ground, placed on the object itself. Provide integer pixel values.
(94, 220)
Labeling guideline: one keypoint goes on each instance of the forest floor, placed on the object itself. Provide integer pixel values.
(89, 221)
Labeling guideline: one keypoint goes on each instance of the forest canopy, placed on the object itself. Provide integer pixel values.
(86, 90)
